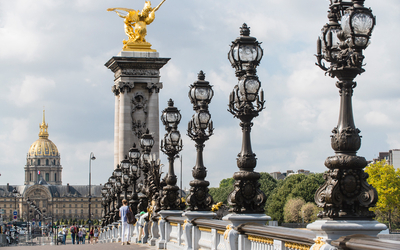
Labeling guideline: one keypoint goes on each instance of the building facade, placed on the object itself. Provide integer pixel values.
(392, 157)
(43, 186)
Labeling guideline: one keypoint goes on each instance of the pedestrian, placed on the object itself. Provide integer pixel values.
(142, 221)
(80, 234)
(91, 234)
(96, 234)
(125, 226)
(73, 231)
(84, 232)
(64, 233)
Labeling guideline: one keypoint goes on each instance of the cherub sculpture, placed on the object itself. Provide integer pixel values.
(136, 24)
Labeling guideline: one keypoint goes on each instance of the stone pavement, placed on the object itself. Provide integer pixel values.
(107, 246)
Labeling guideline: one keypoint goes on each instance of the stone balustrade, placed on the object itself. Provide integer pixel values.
(178, 233)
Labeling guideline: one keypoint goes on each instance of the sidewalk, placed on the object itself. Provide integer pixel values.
(98, 246)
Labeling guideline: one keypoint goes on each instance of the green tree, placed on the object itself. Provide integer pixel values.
(309, 212)
(306, 189)
(292, 210)
(292, 187)
(279, 196)
(221, 193)
(268, 183)
(386, 180)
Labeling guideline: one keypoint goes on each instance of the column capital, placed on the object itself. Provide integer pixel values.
(142, 67)
(154, 87)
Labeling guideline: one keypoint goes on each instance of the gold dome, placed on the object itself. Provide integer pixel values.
(43, 146)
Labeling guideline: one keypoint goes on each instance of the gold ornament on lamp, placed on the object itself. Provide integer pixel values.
(136, 26)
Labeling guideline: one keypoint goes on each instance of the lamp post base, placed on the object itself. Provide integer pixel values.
(328, 230)
(162, 243)
(237, 219)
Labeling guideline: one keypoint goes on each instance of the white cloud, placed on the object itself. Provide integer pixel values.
(30, 90)
(53, 54)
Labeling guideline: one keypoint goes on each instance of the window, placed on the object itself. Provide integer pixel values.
(10, 206)
(96, 211)
(38, 161)
(69, 205)
(56, 211)
(30, 176)
(55, 177)
(56, 205)
(63, 205)
(47, 162)
(47, 176)
(81, 205)
(70, 211)
(64, 212)
(81, 211)
(96, 205)
(76, 211)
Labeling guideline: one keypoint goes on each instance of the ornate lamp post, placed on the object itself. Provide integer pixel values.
(104, 203)
(200, 128)
(146, 143)
(245, 103)
(111, 182)
(91, 158)
(345, 193)
(125, 180)
(345, 196)
(171, 145)
(134, 156)
(106, 191)
(118, 189)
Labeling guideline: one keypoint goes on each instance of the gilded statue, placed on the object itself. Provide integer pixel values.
(136, 26)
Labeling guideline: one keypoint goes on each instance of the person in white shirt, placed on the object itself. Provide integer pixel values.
(124, 220)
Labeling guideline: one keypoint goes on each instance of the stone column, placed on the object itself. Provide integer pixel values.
(136, 88)
(153, 118)
(124, 128)
(116, 125)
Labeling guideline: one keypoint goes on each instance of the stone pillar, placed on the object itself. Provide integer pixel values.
(124, 128)
(136, 88)
(153, 117)
(116, 125)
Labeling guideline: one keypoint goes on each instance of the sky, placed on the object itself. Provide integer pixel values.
(52, 56)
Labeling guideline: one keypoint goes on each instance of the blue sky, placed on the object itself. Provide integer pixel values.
(52, 55)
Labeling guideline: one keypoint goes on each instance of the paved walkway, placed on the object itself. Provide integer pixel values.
(107, 246)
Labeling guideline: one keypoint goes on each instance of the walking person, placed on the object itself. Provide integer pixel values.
(84, 232)
(91, 234)
(73, 231)
(96, 234)
(80, 235)
(142, 221)
(125, 226)
(64, 233)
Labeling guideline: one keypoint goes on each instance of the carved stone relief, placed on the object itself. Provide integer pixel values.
(139, 102)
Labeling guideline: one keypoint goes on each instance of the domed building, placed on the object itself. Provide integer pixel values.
(43, 159)
(43, 186)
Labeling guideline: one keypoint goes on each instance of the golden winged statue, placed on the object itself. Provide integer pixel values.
(136, 26)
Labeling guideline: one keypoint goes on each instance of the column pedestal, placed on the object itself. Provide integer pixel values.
(233, 238)
(329, 230)
(163, 228)
(136, 88)
(190, 238)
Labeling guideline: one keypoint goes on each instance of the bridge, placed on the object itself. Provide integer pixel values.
(345, 222)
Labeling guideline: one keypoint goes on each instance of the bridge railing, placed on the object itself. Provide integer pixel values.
(209, 234)
(363, 242)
